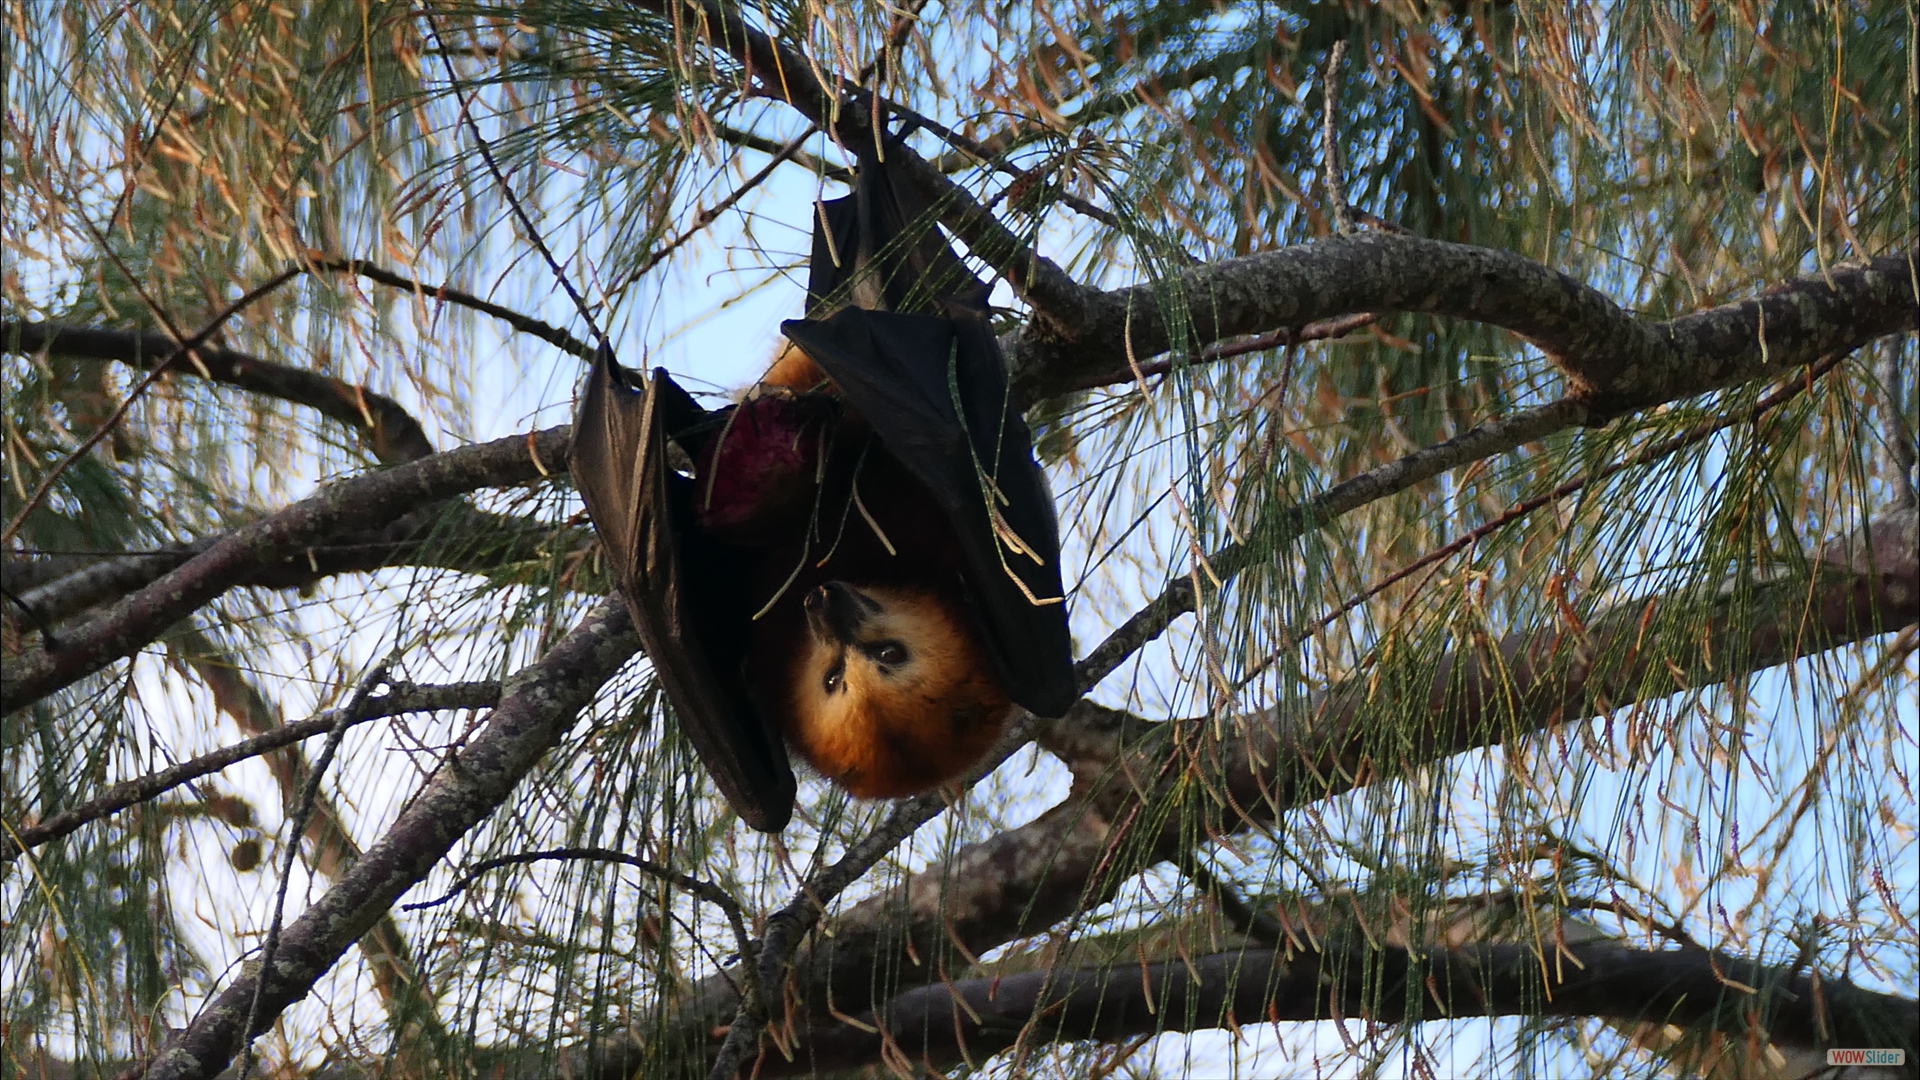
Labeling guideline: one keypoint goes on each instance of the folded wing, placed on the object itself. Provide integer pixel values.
(677, 586)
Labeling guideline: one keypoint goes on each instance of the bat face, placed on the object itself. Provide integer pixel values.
(889, 693)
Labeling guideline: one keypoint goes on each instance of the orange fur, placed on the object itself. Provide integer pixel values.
(891, 731)
(795, 370)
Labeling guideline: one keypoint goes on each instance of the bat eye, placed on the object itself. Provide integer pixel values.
(890, 653)
(830, 682)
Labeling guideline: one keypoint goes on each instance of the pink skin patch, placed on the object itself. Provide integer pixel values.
(759, 469)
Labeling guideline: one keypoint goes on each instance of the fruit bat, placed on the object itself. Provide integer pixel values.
(860, 559)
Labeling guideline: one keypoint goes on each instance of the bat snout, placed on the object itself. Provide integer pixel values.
(836, 610)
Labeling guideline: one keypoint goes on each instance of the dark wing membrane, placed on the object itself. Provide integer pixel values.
(935, 390)
(675, 590)
(881, 249)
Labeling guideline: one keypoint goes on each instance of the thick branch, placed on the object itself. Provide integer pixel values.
(537, 707)
(1614, 362)
(944, 1025)
(377, 497)
(1865, 586)
(1320, 331)
(455, 537)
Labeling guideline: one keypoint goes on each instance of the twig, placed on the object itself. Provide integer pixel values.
(400, 698)
(1045, 286)
(526, 324)
(813, 164)
(438, 535)
(904, 20)
(687, 883)
(506, 190)
(706, 217)
(1330, 177)
(392, 433)
(1897, 441)
(297, 826)
(539, 704)
(139, 160)
(1150, 89)
(1258, 925)
(1484, 440)
(998, 163)
(785, 928)
(376, 497)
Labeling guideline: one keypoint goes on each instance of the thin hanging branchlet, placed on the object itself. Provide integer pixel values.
(296, 829)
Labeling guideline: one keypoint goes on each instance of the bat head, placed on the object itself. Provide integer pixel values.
(892, 693)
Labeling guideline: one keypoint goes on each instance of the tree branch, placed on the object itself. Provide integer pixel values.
(788, 927)
(787, 75)
(1864, 586)
(1613, 361)
(780, 151)
(399, 698)
(455, 537)
(184, 346)
(1150, 89)
(381, 496)
(537, 707)
(1320, 331)
(526, 324)
(391, 432)
(968, 1021)
(1483, 441)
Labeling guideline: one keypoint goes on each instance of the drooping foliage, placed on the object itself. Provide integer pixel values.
(164, 162)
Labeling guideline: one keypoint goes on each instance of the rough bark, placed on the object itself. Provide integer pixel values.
(970, 1020)
(451, 536)
(1613, 361)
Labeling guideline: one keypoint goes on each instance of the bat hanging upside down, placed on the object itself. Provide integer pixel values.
(867, 659)
(859, 560)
